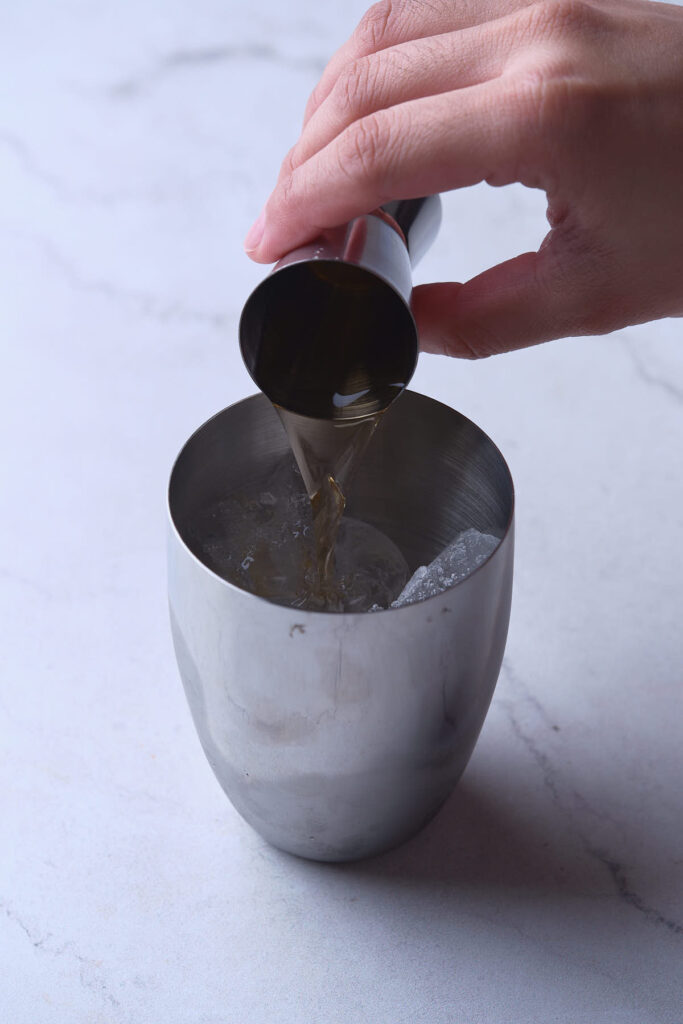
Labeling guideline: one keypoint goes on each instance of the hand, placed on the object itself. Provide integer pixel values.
(581, 98)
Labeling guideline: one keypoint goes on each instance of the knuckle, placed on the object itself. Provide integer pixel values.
(316, 97)
(353, 87)
(286, 190)
(289, 163)
(560, 18)
(522, 102)
(561, 108)
(363, 155)
(542, 98)
(365, 145)
(549, 105)
(471, 342)
(376, 26)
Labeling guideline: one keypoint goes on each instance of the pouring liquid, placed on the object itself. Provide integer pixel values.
(327, 452)
(296, 547)
(335, 347)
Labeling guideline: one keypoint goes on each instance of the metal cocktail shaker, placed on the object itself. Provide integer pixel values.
(338, 735)
(329, 333)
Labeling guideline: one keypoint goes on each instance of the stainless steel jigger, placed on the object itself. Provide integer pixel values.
(329, 333)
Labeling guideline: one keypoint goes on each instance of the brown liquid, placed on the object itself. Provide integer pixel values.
(327, 452)
(332, 341)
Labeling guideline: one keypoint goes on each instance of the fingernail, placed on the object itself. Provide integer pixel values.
(255, 233)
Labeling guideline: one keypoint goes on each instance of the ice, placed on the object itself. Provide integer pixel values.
(465, 554)
(370, 568)
(262, 541)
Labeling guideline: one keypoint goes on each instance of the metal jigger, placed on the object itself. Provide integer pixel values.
(329, 333)
(329, 336)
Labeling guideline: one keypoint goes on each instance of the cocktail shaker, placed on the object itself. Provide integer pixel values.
(329, 334)
(338, 735)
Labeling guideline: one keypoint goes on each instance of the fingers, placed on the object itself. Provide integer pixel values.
(392, 22)
(427, 145)
(536, 297)
(421, 67)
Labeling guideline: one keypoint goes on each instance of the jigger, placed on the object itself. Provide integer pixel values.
(329, 333)
(338, 735)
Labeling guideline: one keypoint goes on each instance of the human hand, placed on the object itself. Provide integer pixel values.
(581, 98)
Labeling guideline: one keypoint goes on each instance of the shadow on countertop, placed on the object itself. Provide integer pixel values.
(479, 843)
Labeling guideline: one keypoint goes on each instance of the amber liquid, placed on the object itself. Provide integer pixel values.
(327, 453)
(335, 344)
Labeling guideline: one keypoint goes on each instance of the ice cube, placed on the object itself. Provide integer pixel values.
(370, 568)
(465, 554)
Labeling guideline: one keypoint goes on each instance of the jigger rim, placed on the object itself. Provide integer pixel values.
(288, 609)
(307, 258)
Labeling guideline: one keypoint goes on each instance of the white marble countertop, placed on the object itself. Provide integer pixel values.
(137, 142)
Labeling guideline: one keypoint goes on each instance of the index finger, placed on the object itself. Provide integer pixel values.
(432, 144)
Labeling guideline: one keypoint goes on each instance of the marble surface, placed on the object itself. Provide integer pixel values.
(137, 142)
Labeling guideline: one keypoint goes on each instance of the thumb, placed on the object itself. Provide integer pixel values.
(535, 297)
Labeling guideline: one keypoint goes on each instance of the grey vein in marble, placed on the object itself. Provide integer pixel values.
(64, 190)
(68, 192)
(28, 163)
(145, 304)
(208, 56)
(552, 779)
(89, 970)
(652, 379)
(628, 896)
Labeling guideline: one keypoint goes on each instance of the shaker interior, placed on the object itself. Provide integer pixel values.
(428, 473)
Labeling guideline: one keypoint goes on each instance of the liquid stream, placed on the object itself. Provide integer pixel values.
(327, 452)
(299, 548)
(268, 544)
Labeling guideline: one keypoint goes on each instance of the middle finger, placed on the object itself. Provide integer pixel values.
(392, 22)
(410, 71)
